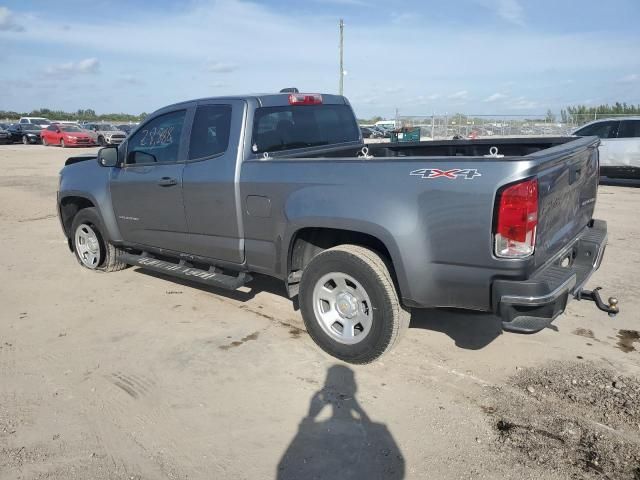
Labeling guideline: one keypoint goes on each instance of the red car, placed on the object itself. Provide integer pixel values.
(66, 136)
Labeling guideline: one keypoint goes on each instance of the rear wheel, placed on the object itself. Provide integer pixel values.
(89, 245)
(350, 305)
(44, 141)
(25, 140)
(62, 144)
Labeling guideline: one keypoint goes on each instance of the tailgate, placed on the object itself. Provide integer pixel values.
(567, 197)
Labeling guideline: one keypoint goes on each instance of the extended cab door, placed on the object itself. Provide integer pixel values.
(211, 181)
(147, 191)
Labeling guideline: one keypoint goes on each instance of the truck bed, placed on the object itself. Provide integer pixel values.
(509, 147)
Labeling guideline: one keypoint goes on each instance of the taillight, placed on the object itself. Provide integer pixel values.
(305, 99)
(517, 219)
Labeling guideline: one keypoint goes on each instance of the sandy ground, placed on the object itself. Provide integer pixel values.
(129, 375)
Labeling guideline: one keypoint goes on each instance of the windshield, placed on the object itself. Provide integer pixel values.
(70, 128)
(106, 127)
(40, 121)
(299, 126)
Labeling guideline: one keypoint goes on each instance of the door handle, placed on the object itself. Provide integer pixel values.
(167, 182)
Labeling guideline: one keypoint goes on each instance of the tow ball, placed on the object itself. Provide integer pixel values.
(593, 295)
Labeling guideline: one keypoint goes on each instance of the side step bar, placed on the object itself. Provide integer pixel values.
(184, 270)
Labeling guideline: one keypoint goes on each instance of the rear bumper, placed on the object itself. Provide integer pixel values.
(530, 305)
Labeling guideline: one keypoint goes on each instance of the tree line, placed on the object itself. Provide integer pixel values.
(580, 114)
(80, 115)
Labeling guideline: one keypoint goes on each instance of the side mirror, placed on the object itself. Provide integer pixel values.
(108, 156)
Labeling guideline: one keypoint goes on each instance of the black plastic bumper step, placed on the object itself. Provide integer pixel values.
(184, 270)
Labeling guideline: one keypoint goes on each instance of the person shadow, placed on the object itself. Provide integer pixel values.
(347, 445)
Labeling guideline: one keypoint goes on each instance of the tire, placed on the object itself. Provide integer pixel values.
(62, 144)
(108, 259)
(44, 142)
(101, 141)
(367, 293)
(25, 140)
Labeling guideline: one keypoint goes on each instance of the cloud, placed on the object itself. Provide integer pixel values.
(351, 3)
(396, 89)
(461, 95)
(220, 67)
(509, 10)
(522, 103)
(631, 78)
(495, 97)
(7, 23)
(70, 69)
(130, 80)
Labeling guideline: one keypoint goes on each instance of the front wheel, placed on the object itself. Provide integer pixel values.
(101, 141)
(89, 245)
(25, 140)
(44, 142)
(62, 144)
(350, 305)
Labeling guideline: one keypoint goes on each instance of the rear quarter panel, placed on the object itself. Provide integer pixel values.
(437, 231)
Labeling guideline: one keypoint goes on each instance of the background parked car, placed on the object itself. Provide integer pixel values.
(126, 128)
(5, 135)
(107, 133)
(367, 132)
(26, 133)
(66, 136)
(382, 131)
(619, 145)
(34, 120)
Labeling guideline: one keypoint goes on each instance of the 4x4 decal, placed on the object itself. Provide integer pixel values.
(467, 173)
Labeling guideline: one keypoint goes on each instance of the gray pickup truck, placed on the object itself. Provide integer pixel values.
(217, 189)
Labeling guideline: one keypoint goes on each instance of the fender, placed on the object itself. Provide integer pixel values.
(90, 181)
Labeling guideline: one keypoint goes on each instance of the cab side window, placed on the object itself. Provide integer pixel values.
(157, 141)
(210, 131)
(601, 130)
(629, 129)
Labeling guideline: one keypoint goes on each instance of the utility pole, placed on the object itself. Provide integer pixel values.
(341, 89)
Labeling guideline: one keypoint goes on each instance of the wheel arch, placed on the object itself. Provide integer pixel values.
(307, 242)
(69, 208)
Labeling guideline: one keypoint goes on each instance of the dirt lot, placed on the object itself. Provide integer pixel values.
(132, 376)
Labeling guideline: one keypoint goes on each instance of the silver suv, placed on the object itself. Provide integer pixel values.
(107, 134)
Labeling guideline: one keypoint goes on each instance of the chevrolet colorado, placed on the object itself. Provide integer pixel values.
(214, 190)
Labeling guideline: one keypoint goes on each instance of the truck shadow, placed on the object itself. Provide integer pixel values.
(468, 329)
(620, 182)
(259, 283)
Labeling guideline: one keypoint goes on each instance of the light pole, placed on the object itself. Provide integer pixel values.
(341, 84)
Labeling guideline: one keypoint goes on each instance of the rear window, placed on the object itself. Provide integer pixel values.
(299, 126)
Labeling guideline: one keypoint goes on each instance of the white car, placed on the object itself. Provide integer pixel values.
(619, 147)
(41, 121)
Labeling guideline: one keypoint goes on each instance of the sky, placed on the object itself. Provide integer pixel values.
(510, 57)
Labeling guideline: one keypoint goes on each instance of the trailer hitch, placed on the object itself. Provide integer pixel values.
(593, 295)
